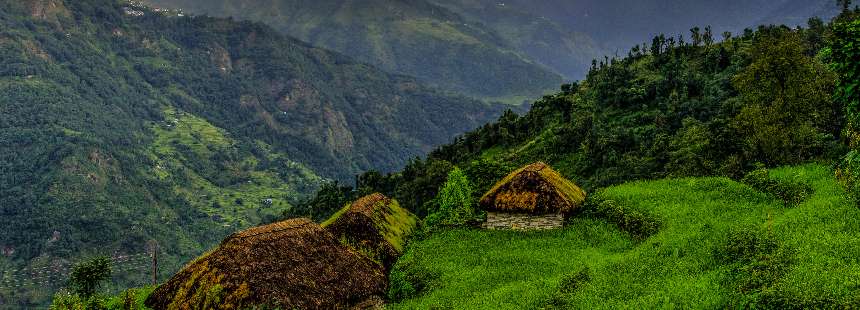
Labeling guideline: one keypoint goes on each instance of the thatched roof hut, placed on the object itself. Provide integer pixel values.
(375, 225)
(535, 196)
(293, 264)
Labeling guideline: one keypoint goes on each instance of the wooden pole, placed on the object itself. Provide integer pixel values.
(154, 254)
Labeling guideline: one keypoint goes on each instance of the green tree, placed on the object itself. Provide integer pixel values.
(455, 201)
(87, 277)
(785, 95)
(845, 58)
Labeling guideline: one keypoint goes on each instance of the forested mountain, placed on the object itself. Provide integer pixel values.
(667, 109)
(484, 47)
(419, 38)
(120, 124)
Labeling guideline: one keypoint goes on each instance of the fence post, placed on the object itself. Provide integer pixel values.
(153, 247)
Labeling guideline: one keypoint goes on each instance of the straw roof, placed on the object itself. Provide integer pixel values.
(293, 264)
(535, 189)
(374, 225)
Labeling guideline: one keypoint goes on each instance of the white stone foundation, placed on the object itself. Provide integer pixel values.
(522, 221)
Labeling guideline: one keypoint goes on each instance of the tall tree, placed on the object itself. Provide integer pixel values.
(785, 95)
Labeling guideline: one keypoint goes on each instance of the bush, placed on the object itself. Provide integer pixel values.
(758, 263)
(65, 300)
(568, 286)
(409, 278)
(456, 205)
(86, 277)
(791, 193)
(640, 225)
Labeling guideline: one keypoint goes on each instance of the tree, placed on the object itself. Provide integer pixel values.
(785, 95)
(845, 58)
(845, 61)
(455, 201)
(846, 4)
(87, 277)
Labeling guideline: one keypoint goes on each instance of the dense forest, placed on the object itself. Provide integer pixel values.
(120, 124)
(700, 104)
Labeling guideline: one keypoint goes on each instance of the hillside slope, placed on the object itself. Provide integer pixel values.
(561, 49)
(721, 245)
(414, 37)
(119, 125)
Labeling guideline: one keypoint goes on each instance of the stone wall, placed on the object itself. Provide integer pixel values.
(522, 221)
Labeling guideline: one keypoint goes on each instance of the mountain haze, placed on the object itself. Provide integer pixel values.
(414, 37)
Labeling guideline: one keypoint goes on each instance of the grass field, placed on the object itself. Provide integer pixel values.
(720, 244)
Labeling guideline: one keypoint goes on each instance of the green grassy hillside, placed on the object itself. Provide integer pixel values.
(416, 38)
(721, 244)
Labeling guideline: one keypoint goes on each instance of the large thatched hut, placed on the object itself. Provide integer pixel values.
(533, 197)
(374, 225)
(293, 264)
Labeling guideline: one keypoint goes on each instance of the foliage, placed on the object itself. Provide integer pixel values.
(781, 94)
(670, 109)
(845, 61)
(116, 129)
(791, 192)
(721, 245)
(64, 300)
(130, 299)
(567, 286)
(456, 203)
(409, 279)
(330, 198)
(637, 223)
(87, 277)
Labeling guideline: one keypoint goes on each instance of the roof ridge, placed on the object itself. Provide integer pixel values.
(273, 228)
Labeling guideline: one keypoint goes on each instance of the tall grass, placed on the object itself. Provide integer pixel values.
(720, 244)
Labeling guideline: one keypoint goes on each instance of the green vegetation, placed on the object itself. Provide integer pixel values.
(721, 227)
(673, 108)
(722, 244)
(456, 205)
(120, 125)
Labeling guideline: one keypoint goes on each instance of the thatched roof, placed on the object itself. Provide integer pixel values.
(293, 264)
(375, 225)
(535, 189)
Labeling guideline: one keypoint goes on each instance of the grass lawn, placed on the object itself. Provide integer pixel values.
(720, 244)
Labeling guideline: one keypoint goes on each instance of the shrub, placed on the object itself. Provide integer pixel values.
(639, 224)
(65, 300)
(409, 278)
(758, 262)
(791, 193)
(86, 277)
(456, 206)
(568, 286)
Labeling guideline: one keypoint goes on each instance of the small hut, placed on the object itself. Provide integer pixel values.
(375, 225)
(533, 197)
(293, 264)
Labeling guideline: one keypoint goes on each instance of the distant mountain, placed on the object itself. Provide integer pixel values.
(414, 37)
(620, 24)
(549, 43)
(120, 124)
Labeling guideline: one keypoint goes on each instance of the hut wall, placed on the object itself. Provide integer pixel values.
(523, 221)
